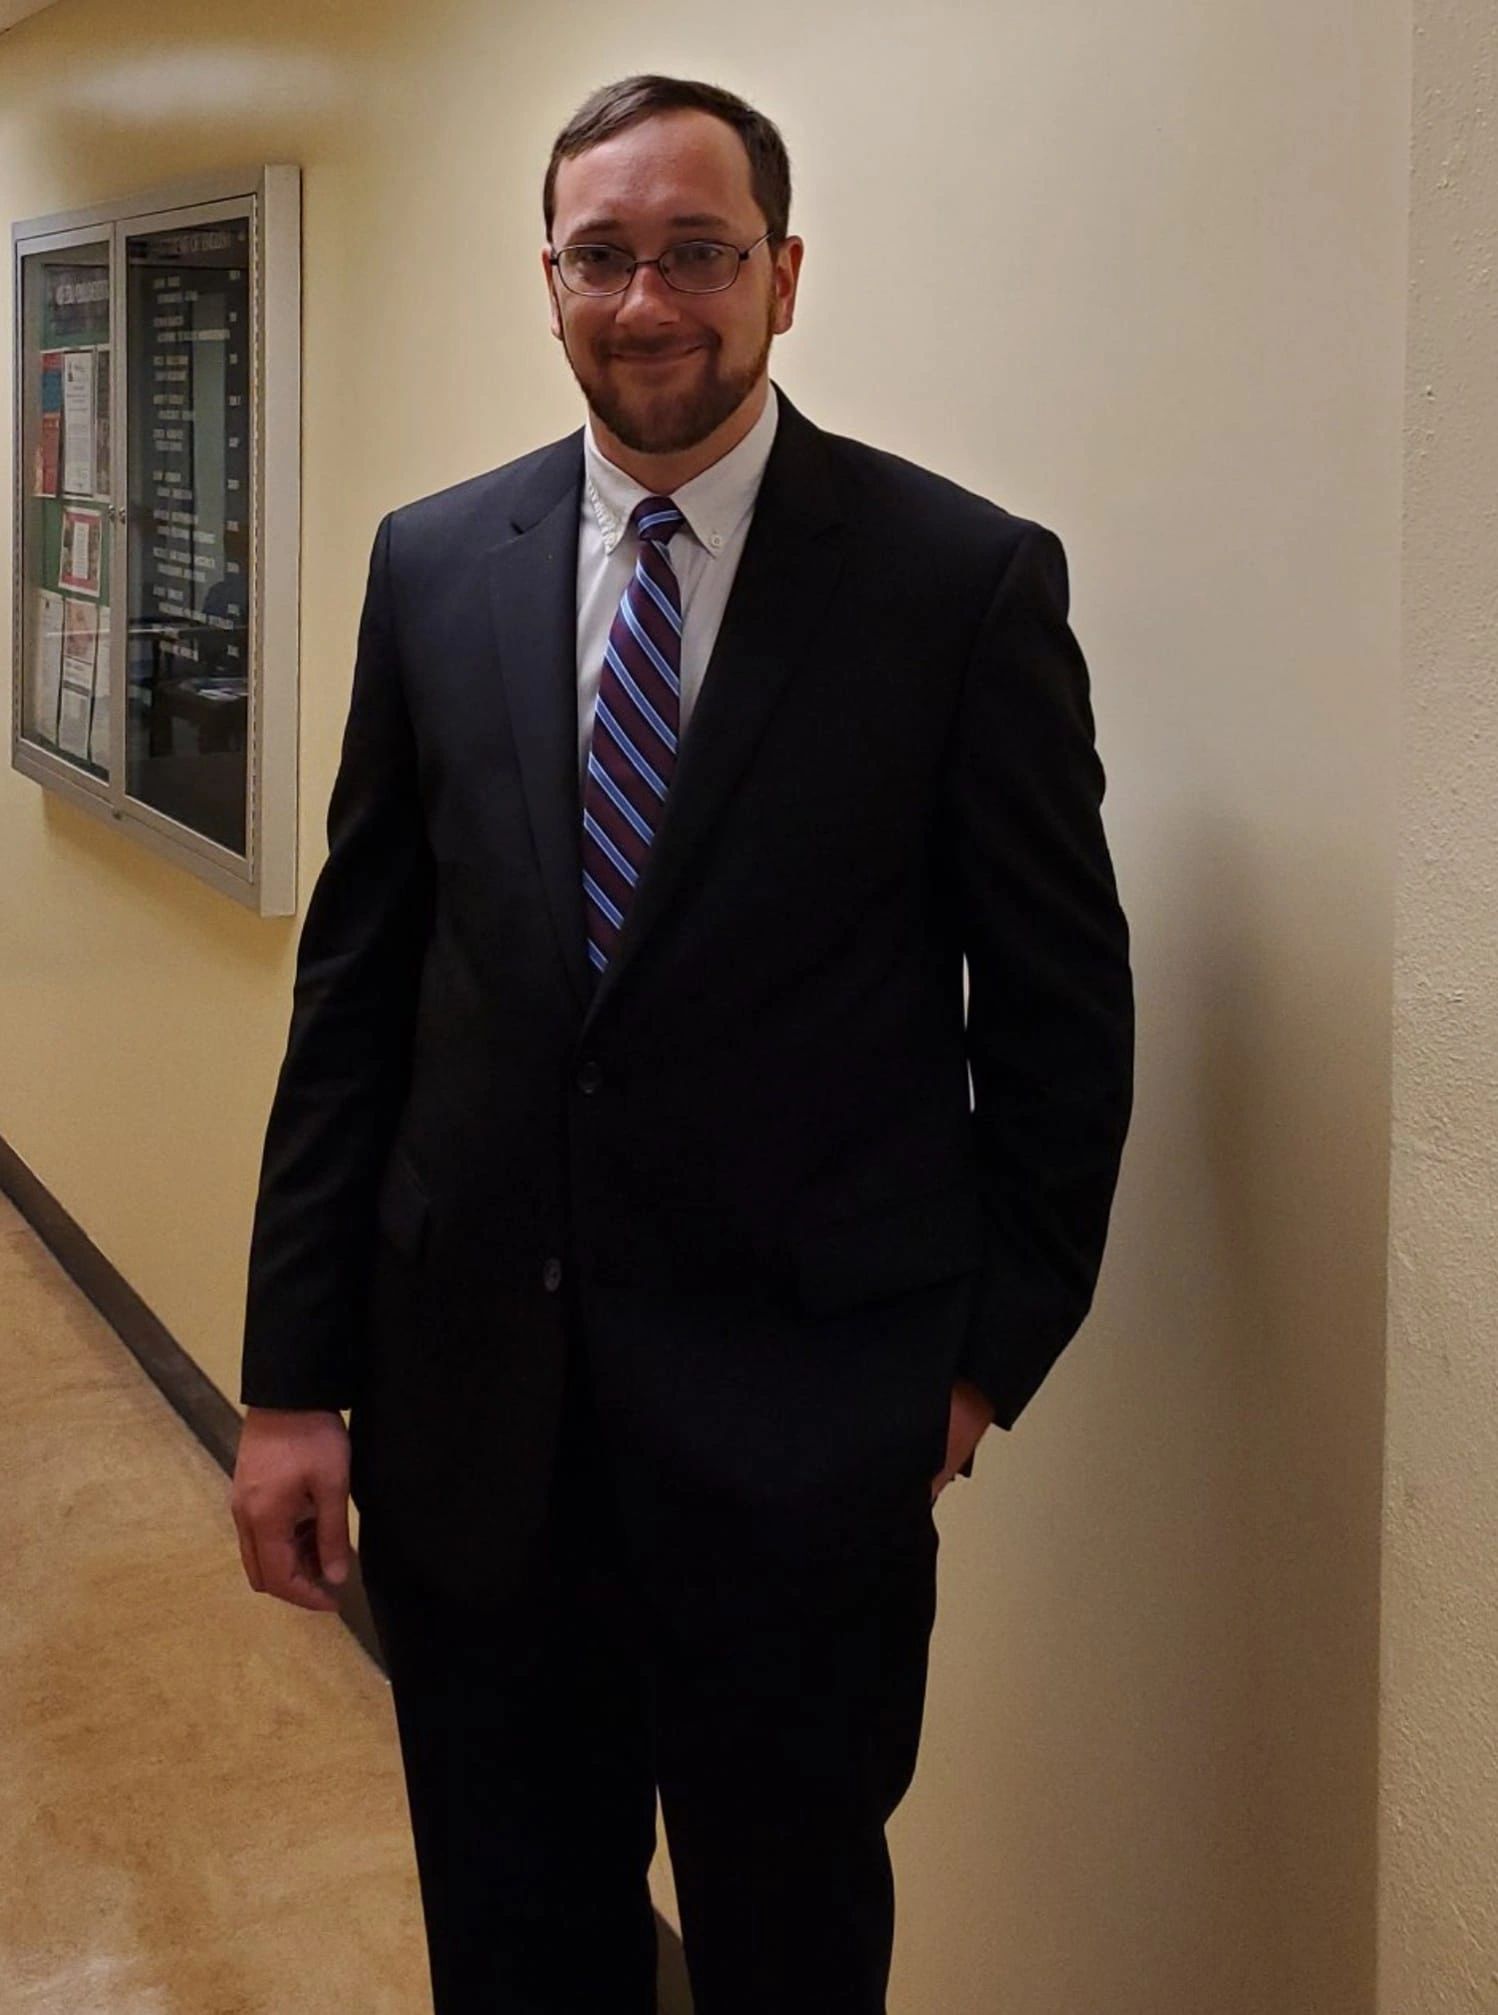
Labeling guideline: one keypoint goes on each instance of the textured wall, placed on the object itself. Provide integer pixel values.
(1439, 1840)
(1133, 267)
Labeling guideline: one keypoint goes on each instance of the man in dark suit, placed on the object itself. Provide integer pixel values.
(636, 1175)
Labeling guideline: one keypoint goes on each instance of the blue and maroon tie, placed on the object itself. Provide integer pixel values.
(635, 726)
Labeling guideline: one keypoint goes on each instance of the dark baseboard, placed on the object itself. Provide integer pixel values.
(215, 1421)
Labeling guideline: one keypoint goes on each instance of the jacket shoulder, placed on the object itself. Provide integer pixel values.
(970, 530)
(475, 500)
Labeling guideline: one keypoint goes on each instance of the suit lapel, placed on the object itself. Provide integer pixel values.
(533, 600)
(785, 578)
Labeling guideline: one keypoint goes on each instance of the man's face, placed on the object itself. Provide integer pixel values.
(661, 369)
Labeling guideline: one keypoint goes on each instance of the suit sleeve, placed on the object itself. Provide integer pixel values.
(347, 1062)
(1050, 1021)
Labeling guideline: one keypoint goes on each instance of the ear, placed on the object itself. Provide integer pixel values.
(787, 273)
(551, 293)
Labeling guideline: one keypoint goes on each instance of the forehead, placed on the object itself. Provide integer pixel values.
(675, 166)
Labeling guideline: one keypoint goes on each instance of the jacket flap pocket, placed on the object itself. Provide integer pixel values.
(883, 1251)
(402, 1209)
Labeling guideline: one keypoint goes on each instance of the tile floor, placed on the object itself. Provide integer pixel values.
(201, 1806)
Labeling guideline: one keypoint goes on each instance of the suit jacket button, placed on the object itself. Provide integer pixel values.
(589, 1074)
(551, 1275)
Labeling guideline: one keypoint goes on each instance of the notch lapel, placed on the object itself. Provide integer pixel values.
(786, 577)
(533, 602)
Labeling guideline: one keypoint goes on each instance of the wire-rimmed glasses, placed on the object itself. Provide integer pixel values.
(696, 266)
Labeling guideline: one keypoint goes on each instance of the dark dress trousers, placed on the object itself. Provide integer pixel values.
(647, 1297)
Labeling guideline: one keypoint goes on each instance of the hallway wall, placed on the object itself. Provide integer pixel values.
(1438, 1948)
(1131, 267)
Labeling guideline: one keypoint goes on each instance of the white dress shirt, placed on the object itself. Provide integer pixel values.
(705, 553)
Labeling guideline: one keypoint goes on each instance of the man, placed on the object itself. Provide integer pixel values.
(624, 1177)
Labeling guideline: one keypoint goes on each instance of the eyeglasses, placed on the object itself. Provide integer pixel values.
(698, 266)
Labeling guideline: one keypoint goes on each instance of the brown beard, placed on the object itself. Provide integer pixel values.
(666, 422)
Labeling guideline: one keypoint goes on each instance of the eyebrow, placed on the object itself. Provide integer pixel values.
(689, 222)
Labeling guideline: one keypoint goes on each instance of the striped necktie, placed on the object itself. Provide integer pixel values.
(635, 726)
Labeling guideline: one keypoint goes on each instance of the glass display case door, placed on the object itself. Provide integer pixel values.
(190, 460)
(65, 531)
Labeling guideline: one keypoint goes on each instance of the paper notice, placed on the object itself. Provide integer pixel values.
(98, 734)
(79, 416)
(49, 440)
(46, 667)
(72, 720)
(82, 548)
(80, 636)
(101, 422)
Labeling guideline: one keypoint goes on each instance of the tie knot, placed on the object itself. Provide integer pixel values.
(655, 518)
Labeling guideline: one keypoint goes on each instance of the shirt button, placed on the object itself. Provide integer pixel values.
(717, 539)
(551, 1275)
(589, 1074)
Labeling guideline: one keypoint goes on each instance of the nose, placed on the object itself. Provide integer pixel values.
(648, 298)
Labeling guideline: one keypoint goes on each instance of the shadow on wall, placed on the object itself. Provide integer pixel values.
(1292, 1073)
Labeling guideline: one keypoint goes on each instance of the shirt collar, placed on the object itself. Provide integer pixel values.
(714, 503)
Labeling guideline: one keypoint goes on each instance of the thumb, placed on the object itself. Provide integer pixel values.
(332, 1536)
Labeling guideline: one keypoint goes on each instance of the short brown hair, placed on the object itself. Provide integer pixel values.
(614, 106)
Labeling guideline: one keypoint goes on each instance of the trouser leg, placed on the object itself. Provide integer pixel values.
(775, 1789)
(527, 1747)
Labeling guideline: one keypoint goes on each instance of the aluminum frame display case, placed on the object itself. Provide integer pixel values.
(157, 431)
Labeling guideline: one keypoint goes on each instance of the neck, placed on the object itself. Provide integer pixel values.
(661, 474)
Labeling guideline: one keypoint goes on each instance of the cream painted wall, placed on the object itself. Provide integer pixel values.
(1135, 268)
(1438, 1947)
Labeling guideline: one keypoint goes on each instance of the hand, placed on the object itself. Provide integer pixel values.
(289, 1499)
(970, 1419)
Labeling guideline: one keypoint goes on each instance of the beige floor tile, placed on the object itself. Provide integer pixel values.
(201, 1806)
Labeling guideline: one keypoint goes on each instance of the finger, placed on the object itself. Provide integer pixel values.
(244, 1532)
(309, 1570)
(332, 1536)
(286, 1578)
(251, 1564)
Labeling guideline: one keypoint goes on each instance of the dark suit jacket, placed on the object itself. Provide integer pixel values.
(754, 1144)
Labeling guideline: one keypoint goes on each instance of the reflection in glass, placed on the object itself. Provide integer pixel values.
(189, 490)
(65, 512)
